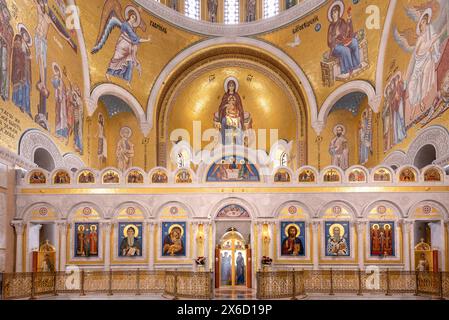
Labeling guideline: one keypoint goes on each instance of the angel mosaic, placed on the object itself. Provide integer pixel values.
(124, 60)
(424, 43)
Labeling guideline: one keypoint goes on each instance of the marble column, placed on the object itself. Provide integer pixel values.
(106, 227)
(3, 224)
(259, 240)
(315, 229)
(206, 227)
(19, 227)
(62, 245)
(57, 245)
(408, 244)
(361, 225)
(194, 227)
(152, 251)
(446, 247)
(271, 247)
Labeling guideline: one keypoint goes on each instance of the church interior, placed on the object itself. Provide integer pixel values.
(207, 148)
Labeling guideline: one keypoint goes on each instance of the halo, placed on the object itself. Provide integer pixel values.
(126, 132)
(130, 9)
(20, 27)
(339, 125)
(136, 230)
(342, 229)
(428, 11)
(336, 3)
(227, 81)
(298, 231)
(174, 226)
(55, 65)
(80, 226)
(387, 225)
(94, 227)
(376, 224)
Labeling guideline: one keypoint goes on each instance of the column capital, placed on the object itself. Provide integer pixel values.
(106, 224)
(408, 224)
(19, 226)
(360, 224)
(61, 223)
(198, 222)
(150, 222)
(315, 224)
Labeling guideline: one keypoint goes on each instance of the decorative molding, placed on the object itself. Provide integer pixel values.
(249, 208)
(437, 136)
(18, 160)
(126, 96)
(340, 92)
(431, 203)
(73, 161)
(19, 226)
(34, 139)
(396, 158)
(134, 204)
(383, 49)
(229, 41)
(389, 204)
(173, 17)
(83, 52)
(3, 224)
(307, 211)
(226, 62)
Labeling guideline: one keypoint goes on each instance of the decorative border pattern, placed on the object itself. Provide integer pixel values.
(171, 16)
(34, 139)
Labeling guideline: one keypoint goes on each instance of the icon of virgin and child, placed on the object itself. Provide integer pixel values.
(173, 244)
(231, 120)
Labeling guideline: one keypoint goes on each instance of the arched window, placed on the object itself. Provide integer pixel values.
(270, 8)
(43, 159)
(231, 11)
(192, 9)
(425, 156)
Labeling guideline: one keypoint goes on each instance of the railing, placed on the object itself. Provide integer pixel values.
(186, 284)
(199, 285)
(290, 284)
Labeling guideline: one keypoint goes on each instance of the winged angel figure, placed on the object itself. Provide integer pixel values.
(125, 55)
(424, 45)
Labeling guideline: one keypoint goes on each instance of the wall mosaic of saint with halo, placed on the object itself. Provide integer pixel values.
(293, 238)
(174, 239)
(337, 238)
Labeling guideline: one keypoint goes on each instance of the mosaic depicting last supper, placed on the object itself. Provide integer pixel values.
(214, 149)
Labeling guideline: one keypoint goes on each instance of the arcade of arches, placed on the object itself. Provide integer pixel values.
(140, 134)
